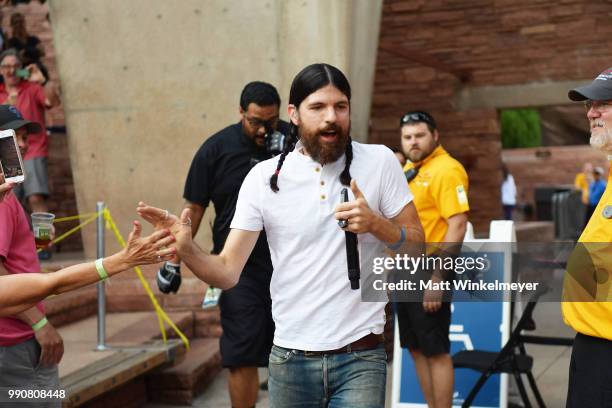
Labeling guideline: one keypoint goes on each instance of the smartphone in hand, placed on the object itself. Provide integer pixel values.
(11, 163)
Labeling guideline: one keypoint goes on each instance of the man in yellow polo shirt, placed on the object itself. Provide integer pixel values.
(587, 290)
(582, 181)
(439, 184)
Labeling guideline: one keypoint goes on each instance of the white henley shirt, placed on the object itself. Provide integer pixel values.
(313, 305)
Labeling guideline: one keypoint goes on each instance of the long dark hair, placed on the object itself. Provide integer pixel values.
(309, 80)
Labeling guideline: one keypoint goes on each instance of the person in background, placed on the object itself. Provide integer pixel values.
(582, 181)
(508, 193)
(440, 185)
(29, 46)
(27, 333)
(596, 190)
(217, 171)
(31, 97)
(30, 347)
(400, 156)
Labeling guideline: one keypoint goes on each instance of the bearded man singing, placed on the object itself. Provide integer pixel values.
(328, 349)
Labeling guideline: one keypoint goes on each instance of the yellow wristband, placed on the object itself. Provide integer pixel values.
(101, 271)
(40, 324)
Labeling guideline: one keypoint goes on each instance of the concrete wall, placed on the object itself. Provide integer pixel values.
(146, 81)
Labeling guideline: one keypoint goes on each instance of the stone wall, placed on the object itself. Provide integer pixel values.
(432, 51)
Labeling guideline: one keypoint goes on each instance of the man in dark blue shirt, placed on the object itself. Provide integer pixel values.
(596, 190)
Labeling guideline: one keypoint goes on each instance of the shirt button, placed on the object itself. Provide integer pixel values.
(317, 169)
(322, 183)
(322, 196)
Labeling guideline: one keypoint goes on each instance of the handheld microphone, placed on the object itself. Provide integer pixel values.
(352, 252)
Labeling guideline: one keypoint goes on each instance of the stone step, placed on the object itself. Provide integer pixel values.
(148, 329)
(207, 323)
(183, 382)
(96, 383)
(121, 373)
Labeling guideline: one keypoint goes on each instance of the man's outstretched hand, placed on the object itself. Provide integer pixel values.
(157, 217)
(161, 219)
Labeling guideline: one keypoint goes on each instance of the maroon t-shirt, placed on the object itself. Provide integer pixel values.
(18, 255)
(31, 104)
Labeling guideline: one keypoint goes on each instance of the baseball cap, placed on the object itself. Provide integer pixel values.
(10, 118)
(598, 90)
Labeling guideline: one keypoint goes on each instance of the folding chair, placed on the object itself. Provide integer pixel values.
(511, 359)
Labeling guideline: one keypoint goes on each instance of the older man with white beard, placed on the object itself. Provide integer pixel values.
(589, 269)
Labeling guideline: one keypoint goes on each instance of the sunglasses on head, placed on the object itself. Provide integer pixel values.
(411, 117)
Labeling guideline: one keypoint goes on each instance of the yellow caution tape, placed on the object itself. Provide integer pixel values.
(161, 314)
(74, 217)
(73, 230)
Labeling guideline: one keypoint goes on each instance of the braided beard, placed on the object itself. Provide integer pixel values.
(324, 152)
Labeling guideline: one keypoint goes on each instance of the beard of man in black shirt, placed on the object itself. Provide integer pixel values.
(216, 174)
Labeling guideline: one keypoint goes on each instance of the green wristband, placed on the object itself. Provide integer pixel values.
(40, 324)
(101, 271)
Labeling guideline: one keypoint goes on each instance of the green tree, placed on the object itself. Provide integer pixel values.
(520, 128)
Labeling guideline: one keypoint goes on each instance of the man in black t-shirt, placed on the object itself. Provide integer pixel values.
(216, 174)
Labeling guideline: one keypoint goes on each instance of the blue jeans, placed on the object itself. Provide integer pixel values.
(355, 379)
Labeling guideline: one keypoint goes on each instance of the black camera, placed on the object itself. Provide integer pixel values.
(169, 278)
(275, 142)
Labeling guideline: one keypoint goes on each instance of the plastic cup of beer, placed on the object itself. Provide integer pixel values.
(42, 224)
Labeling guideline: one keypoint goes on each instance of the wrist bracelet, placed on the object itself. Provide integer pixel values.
(398, 244)
(40, 324)
(101, 271)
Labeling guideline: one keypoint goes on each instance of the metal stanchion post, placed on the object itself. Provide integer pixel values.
(101, 289)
